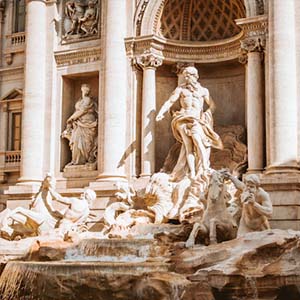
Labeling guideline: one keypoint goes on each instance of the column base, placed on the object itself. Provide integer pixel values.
(29, 181)
(111, 178)
(145, 175)
(255, 171)
(282, 169)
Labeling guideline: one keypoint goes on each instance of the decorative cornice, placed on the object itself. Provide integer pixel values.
(255, 31)
(149, 60)
(174, 51)
(77, 57)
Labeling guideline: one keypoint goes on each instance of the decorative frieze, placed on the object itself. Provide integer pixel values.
(77, 57)
(190, 52)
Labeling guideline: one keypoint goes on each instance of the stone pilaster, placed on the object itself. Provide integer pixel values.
(283, 131)
(34, 103)
(149, 62)
(113, 141)
(252, 53)
(3, 139)
(2, 8)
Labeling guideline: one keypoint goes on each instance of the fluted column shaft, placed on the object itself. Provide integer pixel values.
(33, 114)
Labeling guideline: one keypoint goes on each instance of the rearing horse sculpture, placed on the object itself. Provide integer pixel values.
(217, 223)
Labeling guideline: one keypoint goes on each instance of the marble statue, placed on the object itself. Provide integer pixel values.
(74, 218)
(192, 126)
(256, 204)
(217, 224)
(89, 22)
(74, 10)
(81, 130)
(43, 219)
(40, 218)
(83, 18)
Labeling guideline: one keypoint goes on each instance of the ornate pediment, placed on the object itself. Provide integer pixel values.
(14, 94)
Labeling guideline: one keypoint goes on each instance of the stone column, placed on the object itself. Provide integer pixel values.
(33, 114)
(149, 62)
(113, 142)
(3, 139)
(2, 8)
(255, 103)
(252, 47)
(282, 108)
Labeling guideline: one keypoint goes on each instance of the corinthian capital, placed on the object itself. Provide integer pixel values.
(2, 4)
(254, 44)
(149, 60)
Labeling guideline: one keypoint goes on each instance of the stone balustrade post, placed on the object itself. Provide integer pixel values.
(149, 62)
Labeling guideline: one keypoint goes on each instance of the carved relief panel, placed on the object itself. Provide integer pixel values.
(80, 20)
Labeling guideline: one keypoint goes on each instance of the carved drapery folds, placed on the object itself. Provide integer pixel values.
(81, 19)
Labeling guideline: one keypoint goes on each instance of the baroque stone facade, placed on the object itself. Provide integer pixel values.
(246, 53)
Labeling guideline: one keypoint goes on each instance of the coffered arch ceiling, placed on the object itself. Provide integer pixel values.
(152, 14)
(200, 20)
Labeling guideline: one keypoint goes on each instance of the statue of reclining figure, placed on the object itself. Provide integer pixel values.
(42, 218)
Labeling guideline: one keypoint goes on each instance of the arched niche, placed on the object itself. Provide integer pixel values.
(199, 32)
(149, 12)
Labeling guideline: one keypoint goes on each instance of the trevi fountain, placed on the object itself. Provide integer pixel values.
(194, 232)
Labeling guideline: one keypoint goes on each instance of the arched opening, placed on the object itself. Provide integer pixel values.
(206, 34)
(205, 23)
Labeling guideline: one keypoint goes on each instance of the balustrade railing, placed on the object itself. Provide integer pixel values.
(18, 39)
(12, 157)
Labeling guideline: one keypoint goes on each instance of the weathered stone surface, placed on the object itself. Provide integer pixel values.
(259, 265)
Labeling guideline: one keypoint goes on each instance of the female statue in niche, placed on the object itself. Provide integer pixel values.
(81, 130)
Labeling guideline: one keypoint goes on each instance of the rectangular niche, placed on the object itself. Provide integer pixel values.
(71, 93)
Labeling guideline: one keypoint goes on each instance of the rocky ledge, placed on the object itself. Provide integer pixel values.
(261, 266)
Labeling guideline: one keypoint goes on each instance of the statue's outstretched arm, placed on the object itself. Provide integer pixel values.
(58, 197)
(167, 105)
